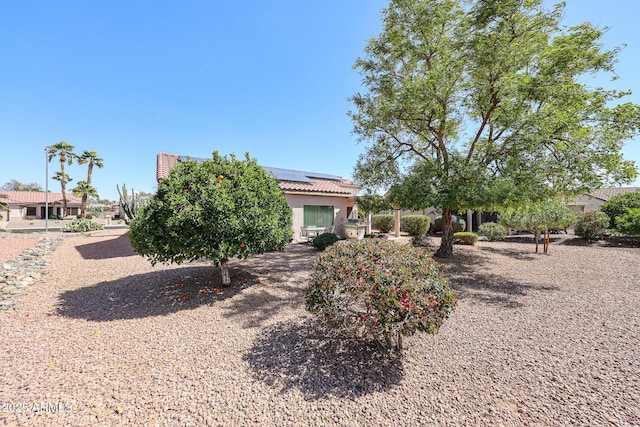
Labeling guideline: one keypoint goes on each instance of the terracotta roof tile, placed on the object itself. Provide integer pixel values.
(166, 161)
(35, 197)
(607, 193)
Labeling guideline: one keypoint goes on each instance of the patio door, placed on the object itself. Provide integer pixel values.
(318, 216)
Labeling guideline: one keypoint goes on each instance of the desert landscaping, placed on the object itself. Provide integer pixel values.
(106, 339)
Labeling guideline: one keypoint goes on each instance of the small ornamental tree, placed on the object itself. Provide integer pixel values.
(215, 210)
(379, 290)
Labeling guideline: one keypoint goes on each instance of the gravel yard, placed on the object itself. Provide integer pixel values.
(110, 340)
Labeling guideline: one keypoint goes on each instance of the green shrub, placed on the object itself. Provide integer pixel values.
(457, 222)
(629, 223)
(82, 226)
(493, 231)
(384, 222)
(419, 241)
(465, 238)
(378, 289)
(617, 206)
(324, 240)
(415, 225)
(592, 225)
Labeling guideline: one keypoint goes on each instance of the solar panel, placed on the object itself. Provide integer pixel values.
(280, 173)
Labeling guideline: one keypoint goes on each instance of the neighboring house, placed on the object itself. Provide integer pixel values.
(316, 199)
(26, 205)
(592, 200)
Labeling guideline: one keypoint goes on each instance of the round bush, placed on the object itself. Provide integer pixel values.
(415, 225)
(458, 223)
(422, 240)
(629, 223)
(378, 289)
(591, 225)
(82, 226)
(324, 240)
(617, 206)
(465, 237)
(384, 222)
(493, 231)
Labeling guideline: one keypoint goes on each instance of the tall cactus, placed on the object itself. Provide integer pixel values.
(130, 204)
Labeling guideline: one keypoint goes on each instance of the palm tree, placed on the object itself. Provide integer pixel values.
(64, 151)
(84, 189)
(92, 158)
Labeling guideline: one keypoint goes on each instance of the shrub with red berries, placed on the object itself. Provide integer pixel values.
(379, 290)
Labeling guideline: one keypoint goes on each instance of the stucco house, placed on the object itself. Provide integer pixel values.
(26, 205)
(316, 199)
(593, 199)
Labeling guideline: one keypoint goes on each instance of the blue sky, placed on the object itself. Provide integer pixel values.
(129, 79)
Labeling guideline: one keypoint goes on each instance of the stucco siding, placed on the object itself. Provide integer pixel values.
(298, 201)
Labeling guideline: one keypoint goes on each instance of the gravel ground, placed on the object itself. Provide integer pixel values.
(12, 244)
(110, 340)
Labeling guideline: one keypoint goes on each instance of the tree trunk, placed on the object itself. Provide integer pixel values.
(546, 240)
(83, 207)
(446, 246)
(224, 271)
(536, 237)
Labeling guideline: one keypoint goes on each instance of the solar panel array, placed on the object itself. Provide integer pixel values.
(281, 174)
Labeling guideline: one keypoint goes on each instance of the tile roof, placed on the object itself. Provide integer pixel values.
(310, 182)
(607, 193)
(37, 197)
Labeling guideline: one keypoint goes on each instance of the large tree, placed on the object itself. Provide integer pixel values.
(64, 151)
(15, 185)
(477, 103)
(215, 209)
(92, 159)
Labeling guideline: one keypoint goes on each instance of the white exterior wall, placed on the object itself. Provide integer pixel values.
(585, 204)
(297, 201)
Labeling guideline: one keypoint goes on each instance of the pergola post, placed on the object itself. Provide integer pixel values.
(396, 224)
(469, 220)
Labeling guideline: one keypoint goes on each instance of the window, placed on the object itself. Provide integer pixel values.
(319, 216)
(31, 211)
(73, 211)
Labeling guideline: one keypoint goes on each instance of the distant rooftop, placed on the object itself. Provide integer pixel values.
(607, 193)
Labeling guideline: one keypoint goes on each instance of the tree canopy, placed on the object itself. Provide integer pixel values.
(215, 210)
(471, 104)
(15, 185)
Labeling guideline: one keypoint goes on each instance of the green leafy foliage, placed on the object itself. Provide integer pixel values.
(322, 241)
(629, 223)
(592, 225)
(477, 104)
(493, 231)
(216, 210)
(458, 224)
(465, 238)
(539, 218)
(379, 290)
(415, 225)
(617, 206)
(384, 222)
(82, 226)
(372, 203)
(420, 241)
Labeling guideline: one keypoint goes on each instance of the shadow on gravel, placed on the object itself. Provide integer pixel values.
(152, 294)
(119, 247)
(189, 286)
(463, 270)
(299, 355)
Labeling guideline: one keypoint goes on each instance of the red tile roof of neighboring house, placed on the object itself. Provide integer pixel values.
(37, 197)
(312, 183)
(607, 193)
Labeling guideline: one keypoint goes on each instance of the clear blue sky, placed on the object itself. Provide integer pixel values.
(129, 79)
